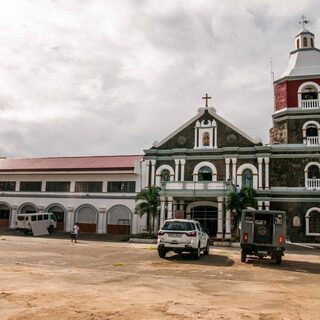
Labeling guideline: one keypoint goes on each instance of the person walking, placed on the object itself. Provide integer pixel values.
(75, 232)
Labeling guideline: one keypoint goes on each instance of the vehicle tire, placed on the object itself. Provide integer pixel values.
(197, 253)
(207, 249)
(162, 252)
(50, 229)
(278, 257)
(243, 255)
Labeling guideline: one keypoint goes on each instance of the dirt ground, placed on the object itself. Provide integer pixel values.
(52, 278)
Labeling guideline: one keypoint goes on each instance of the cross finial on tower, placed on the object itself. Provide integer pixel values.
(206, 98)
(303, 20)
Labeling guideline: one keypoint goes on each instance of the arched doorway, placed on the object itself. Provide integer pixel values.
(60, 214)
(28, 208)
(207, 216)
(4, 215)
(86, 218)
(119, 220)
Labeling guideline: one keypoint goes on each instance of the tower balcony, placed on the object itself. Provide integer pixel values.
(196, 188)
(312, 141)
(313, 184)
(310, 104)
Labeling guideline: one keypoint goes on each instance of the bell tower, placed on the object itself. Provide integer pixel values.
(296, 118)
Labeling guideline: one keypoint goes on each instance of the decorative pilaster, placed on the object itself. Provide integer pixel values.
(267, 205)
(176, 171)
(220, 218)
(69, 219)
(170, 199)
(40, 209)
(182, 162)
(234, 177)
(260, 172)
(13, 218)
(215, 137)
(181, 205)
(162, 210)
(153, 163)
(266, 179)
(147, 164)
(228, 225)
(227, 160)
(175, 205)
(260, 203)
(72, 186)
(102, 221)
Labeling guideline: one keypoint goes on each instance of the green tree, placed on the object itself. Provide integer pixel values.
(147, 202)
(237, 201)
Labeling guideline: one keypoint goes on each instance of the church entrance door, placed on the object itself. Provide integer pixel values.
(208, 217)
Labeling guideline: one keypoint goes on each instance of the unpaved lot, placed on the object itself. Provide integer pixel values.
(46, 278)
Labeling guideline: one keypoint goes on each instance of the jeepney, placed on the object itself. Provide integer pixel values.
(263, 233)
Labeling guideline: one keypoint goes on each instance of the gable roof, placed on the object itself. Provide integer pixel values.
(213, 113)
(126, 162)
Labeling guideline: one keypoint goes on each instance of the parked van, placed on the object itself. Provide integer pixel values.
(24, 221)
(263, 233)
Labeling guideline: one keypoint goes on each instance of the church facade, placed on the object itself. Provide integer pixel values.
(195, 168)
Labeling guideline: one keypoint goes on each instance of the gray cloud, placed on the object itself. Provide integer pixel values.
(110, 77)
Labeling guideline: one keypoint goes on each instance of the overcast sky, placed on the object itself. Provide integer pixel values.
(96, 77)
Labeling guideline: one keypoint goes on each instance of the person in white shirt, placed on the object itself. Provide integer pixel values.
(75, 232)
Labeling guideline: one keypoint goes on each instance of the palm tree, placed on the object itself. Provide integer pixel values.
(147, 203)
(238, 201)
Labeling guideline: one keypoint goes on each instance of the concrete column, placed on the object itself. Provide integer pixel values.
(170, 199)
(260, 173)
(176, 170)
(69, 219)
(153, 163)
(228, 225)
(147, 164)
(227, 160)
(175, 207)
(43, 186)
(72, 186)
(196, 138)
(266, 180)
(215, 138)
(17, 185)
(162, 210)
(181, 205)
(220, 218)
(267, 205)
(234, 176)
(260, 203)
(13, 217)
(101, 228)
(182, 162)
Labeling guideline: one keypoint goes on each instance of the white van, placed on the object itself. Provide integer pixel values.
(24, 221)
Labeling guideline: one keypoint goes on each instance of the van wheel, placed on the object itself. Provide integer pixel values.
(206, 250)
(278, 257)
(162, 252)
(243, 255)
(197, 253)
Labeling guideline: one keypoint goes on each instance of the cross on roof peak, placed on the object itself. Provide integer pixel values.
(206, 98)
(303, 20)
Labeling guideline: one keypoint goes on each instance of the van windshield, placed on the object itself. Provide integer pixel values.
(53, 217)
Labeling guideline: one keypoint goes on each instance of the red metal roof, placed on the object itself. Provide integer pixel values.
(70, 163)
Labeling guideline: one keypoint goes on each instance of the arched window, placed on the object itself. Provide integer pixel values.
(312, 130)
(205, 174)
(305, 42)
(206, 139)
(311, 42)
(309, 93)
(247, 178)
(314, 222)
(298, 44)
(165, 175)
(313, 172)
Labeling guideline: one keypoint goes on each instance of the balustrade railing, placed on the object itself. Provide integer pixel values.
(313, 183)
(312, 141)
(310, 104)
(197, 185)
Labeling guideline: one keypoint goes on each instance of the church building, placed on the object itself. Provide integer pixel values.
(195, 167)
